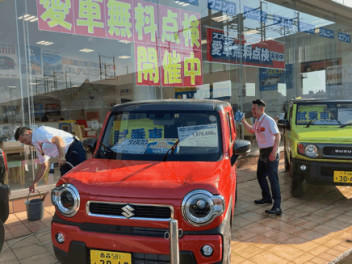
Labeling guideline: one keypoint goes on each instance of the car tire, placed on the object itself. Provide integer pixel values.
(2, 234)
(236, 193)
(4, 202)
(233, 211)
(287, 164)
(227, 244)
(296, 186)
(4, 212)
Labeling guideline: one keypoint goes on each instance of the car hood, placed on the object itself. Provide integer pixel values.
(141, 179)
(325, 134)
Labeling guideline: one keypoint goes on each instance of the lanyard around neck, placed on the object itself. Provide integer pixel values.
(259, 124)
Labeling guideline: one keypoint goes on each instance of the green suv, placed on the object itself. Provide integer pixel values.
(318, 142)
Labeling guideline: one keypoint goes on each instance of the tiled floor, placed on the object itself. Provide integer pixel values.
(312, 229)
(28, 242)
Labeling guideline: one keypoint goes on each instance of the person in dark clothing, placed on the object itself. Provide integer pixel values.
(268, 137)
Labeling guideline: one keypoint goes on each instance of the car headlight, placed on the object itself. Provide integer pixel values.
(66, 199)
(311, 151)
(200, 207)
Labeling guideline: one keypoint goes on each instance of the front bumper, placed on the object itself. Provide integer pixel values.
(318, 172)
(145, 247)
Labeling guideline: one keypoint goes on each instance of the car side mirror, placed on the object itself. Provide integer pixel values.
(89, 145)
(241, 147)
(283, 123)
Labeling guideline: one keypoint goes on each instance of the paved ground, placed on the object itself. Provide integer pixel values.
(312, 229)
(346, 260)
(28, 242)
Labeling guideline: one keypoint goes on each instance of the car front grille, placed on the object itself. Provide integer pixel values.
(130, 211)
(337, 151)
(124, 230)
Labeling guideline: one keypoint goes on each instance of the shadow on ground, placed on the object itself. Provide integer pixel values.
(321, 210)
(321, 217)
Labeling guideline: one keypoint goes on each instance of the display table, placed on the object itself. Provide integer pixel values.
(12, 147)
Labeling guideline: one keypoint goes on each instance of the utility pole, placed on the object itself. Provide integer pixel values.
(104, 67)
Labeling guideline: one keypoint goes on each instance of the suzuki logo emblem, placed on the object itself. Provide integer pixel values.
(127, 211)
(344, 151)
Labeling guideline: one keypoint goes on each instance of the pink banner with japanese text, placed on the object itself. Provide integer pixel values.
(167, 40)
(147, 64)
(226, 49)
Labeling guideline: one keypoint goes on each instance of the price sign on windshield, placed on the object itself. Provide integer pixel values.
(131, 146)
(204, 133)
(199, 136)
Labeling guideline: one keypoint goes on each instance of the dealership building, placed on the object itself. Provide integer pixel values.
(65, 63)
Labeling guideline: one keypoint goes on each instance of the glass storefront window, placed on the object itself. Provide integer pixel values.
(66, 63)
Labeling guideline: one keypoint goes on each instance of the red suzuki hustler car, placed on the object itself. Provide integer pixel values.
(160, 187)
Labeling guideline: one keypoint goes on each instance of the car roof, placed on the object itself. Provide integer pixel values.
(309, 101)
(172, 104)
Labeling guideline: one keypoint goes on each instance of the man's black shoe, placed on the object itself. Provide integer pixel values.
(274, 211)
(262, 201)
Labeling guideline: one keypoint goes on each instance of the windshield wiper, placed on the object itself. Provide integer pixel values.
(309, 123)
(347, 124)
(172, 149)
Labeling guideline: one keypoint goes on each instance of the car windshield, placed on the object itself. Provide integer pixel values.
(158, 135)
(329, 113)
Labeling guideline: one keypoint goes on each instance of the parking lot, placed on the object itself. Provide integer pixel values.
(312, 229)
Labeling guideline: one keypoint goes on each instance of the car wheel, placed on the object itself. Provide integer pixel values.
(233, 211)
(296, 185)
(236, 192)
(287, 165)
(2, 234)
(227, 244)
(4, 212)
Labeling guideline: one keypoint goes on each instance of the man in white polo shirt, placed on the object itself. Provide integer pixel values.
(52, 143)
(268, 138)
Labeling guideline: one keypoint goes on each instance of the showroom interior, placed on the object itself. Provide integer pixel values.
(66, 63)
